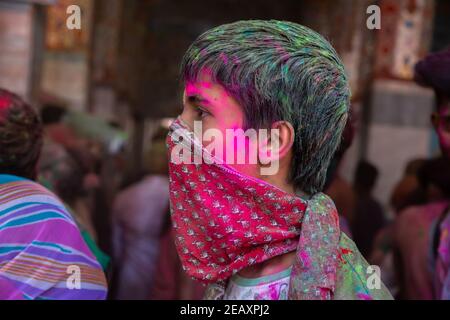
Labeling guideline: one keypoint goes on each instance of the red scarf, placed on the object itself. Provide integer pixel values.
(225, 221)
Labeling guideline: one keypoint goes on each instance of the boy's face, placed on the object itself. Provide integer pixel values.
(209, 104)
(441, 123)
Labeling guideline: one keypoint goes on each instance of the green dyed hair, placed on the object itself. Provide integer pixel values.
(280, 70)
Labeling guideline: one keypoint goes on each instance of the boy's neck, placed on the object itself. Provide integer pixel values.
(280, 183)
(282, 262)
(269, 267)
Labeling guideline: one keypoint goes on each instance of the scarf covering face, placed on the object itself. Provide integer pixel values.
(225, 221)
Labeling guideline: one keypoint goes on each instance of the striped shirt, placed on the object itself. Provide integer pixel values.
(42, 253)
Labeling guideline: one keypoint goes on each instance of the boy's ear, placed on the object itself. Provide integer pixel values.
(279, 142)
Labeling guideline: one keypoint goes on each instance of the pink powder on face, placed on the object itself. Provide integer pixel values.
(226, 111)
(191, 89)
(205, 84)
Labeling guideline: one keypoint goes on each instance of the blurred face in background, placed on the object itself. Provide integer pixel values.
(441, 123)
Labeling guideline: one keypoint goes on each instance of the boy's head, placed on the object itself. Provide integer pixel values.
(20, 136)
(434, 72)
(270, 75)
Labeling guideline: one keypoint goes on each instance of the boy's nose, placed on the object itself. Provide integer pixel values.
(188, 117)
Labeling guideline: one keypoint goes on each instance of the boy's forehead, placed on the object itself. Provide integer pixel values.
(206, 88)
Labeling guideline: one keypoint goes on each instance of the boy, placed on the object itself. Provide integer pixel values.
(250, 232)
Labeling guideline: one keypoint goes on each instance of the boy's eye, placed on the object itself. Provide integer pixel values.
(202, 113)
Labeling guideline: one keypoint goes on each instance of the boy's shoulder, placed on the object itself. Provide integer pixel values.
(355, 278)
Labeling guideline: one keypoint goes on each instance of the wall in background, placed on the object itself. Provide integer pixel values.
(16, 39)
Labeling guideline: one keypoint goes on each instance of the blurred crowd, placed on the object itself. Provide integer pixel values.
(82, 161)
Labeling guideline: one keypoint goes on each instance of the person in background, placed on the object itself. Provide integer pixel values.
(248, 232)
(64, 150)
(62, 174)
(407, 191)
(78, 129)
(88, 139)
(434, 72)
(137, 219)
(43, 253)
(412, 234)
(91, 156)
(56, 130)
(171, 282)
(369, 215)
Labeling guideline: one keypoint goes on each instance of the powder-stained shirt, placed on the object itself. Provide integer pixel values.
(271, 287)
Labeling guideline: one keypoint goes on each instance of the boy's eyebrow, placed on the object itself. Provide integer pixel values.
(194, 98)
